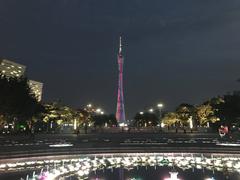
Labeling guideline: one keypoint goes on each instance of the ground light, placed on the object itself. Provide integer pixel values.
(123, 125)
(173, 176)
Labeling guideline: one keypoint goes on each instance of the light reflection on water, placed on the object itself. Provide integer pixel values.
(131, 165)
(158, 173)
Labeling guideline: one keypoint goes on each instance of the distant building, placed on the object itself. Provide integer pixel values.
(11, 69)
(37, 88)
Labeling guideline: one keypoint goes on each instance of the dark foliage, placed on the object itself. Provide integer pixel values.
(145, 119)
(16, 100)
(101, 120)
(229, 110)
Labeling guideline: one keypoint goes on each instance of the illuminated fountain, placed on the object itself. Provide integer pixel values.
(82, 165)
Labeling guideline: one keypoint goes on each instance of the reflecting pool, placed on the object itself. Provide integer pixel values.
(130, 166)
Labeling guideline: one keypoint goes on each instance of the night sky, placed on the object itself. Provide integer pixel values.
(175, 50)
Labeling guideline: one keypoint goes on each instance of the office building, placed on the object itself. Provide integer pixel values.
(11, 69)
(36, 88)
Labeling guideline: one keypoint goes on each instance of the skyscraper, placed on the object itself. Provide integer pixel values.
(11, 69)
(120, 114)
(37, 89)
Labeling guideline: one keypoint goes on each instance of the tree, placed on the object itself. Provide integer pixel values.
(57, 114)
(17, 102)
(84, 117)
(184, 113)
(228, 110)
(145, 119)
(102, 120)
(170, 119)
(205, 114)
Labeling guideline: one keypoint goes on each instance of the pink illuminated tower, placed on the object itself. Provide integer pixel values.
(120, 114)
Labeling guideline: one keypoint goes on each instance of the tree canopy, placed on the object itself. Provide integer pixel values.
(170, 119)
(17, 102)
(228, 109)
(101, 120)
(145, 119)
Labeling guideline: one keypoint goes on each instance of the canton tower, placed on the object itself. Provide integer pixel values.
(120, 114)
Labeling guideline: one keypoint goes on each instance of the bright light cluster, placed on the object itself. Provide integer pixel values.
(84, 165)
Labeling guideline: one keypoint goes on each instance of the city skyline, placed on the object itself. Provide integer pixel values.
(176, 53)
(119, 90)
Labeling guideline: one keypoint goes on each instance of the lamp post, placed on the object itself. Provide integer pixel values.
(151, 110)
(160, 107)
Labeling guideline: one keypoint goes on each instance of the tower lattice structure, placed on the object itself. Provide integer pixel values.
(120, 114)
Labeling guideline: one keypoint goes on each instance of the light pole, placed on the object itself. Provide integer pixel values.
(160, 106)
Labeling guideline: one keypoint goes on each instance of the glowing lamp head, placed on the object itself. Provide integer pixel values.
(89, 105)
(151, 110)
(98, 110)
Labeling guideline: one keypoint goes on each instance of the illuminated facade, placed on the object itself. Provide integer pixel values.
(36, 88)
(11, 69)
(120, 114)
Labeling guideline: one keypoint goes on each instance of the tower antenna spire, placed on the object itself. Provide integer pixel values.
(120, 44)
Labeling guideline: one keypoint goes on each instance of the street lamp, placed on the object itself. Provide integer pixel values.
(89, 105)
(98, 110)
(141, 113)
(159, 105)
(151, 110)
